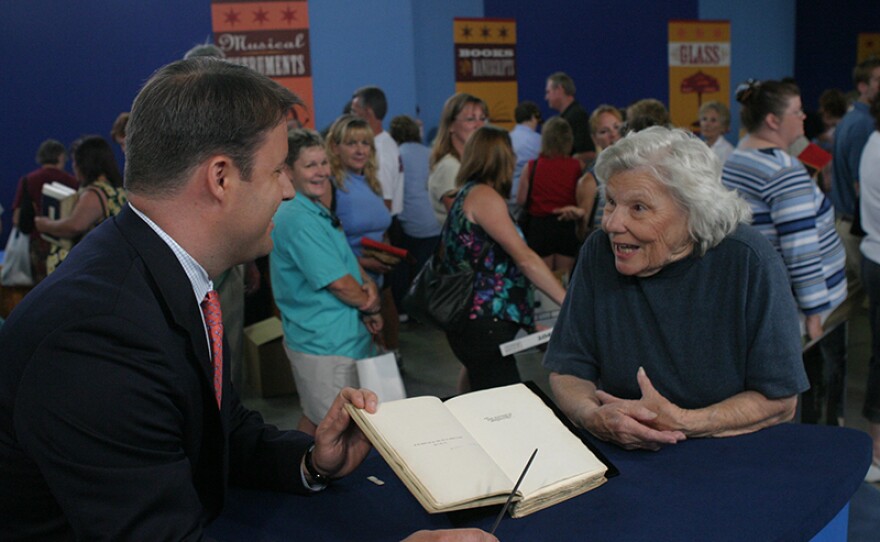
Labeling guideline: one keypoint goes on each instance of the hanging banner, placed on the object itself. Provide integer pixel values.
(869, 45)
(699, 68)
(485, 64)
(271, 37)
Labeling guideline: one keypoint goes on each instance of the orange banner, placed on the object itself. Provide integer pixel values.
(869, 45)
(699, 68)
(272, 38)
(485, 64)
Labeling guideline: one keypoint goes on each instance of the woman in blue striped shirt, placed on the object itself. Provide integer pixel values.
(787, 206)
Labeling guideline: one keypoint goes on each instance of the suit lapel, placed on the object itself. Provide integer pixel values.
(175, 292)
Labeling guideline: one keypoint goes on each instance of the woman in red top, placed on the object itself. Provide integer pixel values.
(548, 197)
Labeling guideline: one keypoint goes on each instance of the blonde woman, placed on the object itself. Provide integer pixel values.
(462, 115)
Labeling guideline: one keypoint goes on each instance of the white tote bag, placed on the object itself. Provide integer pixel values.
(380, 375)
(17, 260)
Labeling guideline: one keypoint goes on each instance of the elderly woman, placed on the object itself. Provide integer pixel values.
(329, 307)
(480, 234)
(682, 312)
(788, 207)
(462, 115)
(100, 196)
(714, 123)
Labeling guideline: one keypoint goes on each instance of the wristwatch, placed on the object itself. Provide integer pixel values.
(319, 478)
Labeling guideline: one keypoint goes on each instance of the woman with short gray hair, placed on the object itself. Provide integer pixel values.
(678, 309)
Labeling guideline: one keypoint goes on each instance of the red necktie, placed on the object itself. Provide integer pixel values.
(214, 321)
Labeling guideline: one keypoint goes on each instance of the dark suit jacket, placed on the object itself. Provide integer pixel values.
(108, 423)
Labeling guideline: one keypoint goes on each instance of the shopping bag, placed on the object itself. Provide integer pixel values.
(17, 260)
(380, 375)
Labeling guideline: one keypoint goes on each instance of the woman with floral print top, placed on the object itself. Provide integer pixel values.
(504, 271)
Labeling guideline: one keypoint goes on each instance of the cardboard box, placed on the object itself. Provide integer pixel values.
(268, 370)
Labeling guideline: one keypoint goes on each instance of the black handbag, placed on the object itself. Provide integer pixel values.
(441, 299)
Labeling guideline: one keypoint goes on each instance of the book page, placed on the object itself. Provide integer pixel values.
(510, 422)
(449, 463)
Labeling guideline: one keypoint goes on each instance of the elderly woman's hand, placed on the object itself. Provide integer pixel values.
(649, 422)
(627, 424)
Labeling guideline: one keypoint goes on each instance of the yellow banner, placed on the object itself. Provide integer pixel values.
(869, 45)
(271, 37)
(485, 64)
(699, 68)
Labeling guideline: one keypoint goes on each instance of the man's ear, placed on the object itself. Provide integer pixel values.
(218, 170)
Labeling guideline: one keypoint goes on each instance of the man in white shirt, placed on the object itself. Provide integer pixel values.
(369, 103)
(526, 142)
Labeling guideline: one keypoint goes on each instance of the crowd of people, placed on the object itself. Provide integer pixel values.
(626, 222)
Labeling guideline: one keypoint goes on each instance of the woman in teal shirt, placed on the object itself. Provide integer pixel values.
(329, 306)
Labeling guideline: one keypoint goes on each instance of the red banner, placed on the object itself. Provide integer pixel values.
(272, 38)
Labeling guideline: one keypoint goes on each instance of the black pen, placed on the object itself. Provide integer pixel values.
(512, 493)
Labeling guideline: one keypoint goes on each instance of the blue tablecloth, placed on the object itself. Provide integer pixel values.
(784, 483)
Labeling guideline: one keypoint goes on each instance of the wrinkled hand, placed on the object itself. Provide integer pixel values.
(648, 423)
(569, 212)
(451, 535)
(373, 302)
(339, 444)
(374, 265)
(374, 323)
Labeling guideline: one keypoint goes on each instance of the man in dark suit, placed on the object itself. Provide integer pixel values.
(114, 421)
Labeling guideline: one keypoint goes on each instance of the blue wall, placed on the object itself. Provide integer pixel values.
(68, 68)
(826, 43)
(762, 42)
(614, 51)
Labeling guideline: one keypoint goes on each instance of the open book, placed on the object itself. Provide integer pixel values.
(58, 202)
(469, 451)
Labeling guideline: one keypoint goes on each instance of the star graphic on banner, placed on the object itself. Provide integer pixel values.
(682, 32)
(485, 31)
(502, 32)
(869, 44)
(232, 17)
(261, 16)
(700, 32)
(717, 33)
(289, 15)
(466, 31)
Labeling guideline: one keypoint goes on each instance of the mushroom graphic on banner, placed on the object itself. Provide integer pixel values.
(699, 83)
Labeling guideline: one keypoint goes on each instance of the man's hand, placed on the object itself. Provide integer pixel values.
(451, 535)
(339, 444)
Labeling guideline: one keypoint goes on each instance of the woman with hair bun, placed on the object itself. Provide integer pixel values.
(787, 206)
